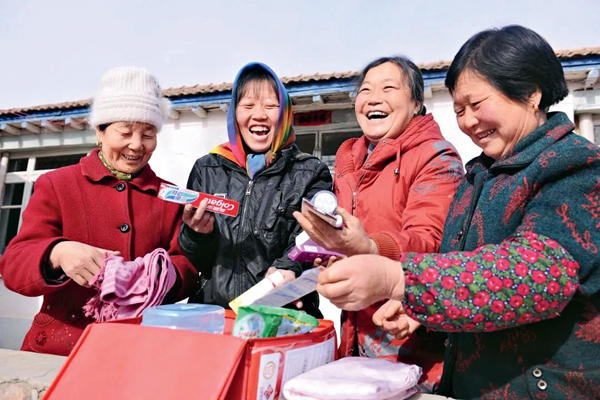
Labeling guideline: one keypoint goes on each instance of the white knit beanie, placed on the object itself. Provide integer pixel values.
(129, 94)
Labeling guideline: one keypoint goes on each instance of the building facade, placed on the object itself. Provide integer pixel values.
(38, 139)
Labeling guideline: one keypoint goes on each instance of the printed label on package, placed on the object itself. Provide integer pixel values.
(184, 196)
(267, 379)
(292, 290)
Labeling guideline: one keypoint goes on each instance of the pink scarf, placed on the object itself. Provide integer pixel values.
(125, 289)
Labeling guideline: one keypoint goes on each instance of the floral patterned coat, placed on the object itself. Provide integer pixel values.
(518, 285)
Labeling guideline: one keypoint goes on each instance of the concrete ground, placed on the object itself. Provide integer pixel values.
(26, 376)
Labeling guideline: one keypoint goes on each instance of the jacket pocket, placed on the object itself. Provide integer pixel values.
(53, 304)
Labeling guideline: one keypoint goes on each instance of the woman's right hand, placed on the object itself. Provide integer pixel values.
(79, 261)
(198, 219)
(356, 282)
(392, 318)
(351, 239)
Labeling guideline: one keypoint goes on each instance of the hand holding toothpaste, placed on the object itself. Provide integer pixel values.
(197, 204)
(198, 219)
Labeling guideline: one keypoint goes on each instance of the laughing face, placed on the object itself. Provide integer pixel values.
(256, 114)
(127, 146)
(492, 120)
(384, 104)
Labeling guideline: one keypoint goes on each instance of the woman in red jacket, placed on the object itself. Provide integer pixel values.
(394, 186)
(105, 204)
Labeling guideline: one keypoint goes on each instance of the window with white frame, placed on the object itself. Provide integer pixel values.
(21, 172)
(324, 144)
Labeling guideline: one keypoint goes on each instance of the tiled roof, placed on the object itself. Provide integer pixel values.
(223, 87)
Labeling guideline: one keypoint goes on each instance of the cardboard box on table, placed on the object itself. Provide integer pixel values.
(123, 360)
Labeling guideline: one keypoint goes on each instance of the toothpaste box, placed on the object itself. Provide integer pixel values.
(292, 290)
(184, 196)
(306, 250)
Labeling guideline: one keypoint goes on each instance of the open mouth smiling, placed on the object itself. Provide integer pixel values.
(376, 115)
(259, 130)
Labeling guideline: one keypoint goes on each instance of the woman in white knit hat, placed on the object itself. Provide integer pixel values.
(107, 204)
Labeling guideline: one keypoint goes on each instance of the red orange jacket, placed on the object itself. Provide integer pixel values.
(401, 193)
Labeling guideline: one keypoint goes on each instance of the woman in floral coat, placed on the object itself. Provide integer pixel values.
(518, 283)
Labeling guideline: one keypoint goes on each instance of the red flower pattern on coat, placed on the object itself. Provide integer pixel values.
(460, 206)
(517, 200)
(502, 393)
(579, 388)
(584, 240)
(589, 331)
(464, 361)
(594, 204)
(503, 183)
(535, 282)
(41, 338)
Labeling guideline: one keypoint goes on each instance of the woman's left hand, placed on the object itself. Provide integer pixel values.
(287, 274)
(287, 277)
(356, 282)
(349, 240)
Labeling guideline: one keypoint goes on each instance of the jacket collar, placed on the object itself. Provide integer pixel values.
(528, 149)
(94, 170)
(420, 129)
(287, 154)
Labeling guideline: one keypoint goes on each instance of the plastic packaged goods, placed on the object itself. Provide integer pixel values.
(263, 321)
(307, 250)
(195, 317)
(355, 378)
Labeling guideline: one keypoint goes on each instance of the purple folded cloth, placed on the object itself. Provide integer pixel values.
(126, 289)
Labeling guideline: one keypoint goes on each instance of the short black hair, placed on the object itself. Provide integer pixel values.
(255, 73)
(515, 60)
(408, 68)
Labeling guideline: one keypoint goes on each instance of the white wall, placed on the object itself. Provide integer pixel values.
(181, 142)
(16, 314)
(441, 106)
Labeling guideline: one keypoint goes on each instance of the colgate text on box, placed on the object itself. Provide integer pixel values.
(185, 196)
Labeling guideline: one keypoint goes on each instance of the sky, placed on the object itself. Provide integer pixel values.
(56, 50)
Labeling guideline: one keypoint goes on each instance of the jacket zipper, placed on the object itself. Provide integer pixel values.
(241, 231)
(246, 199)
(354, 190)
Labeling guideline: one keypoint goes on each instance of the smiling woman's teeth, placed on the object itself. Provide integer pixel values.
(487, 134)
(376, 115)
(259, 131)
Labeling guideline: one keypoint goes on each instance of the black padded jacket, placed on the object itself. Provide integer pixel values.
(240, 250)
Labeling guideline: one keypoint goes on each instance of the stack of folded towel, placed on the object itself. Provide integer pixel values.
(125, 289)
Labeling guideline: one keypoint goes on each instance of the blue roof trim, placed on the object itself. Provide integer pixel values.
(50, 115)
(581, 63)
(295, 89)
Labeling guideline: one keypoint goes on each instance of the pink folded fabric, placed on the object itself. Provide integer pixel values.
(355, 378)
(126, 289)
